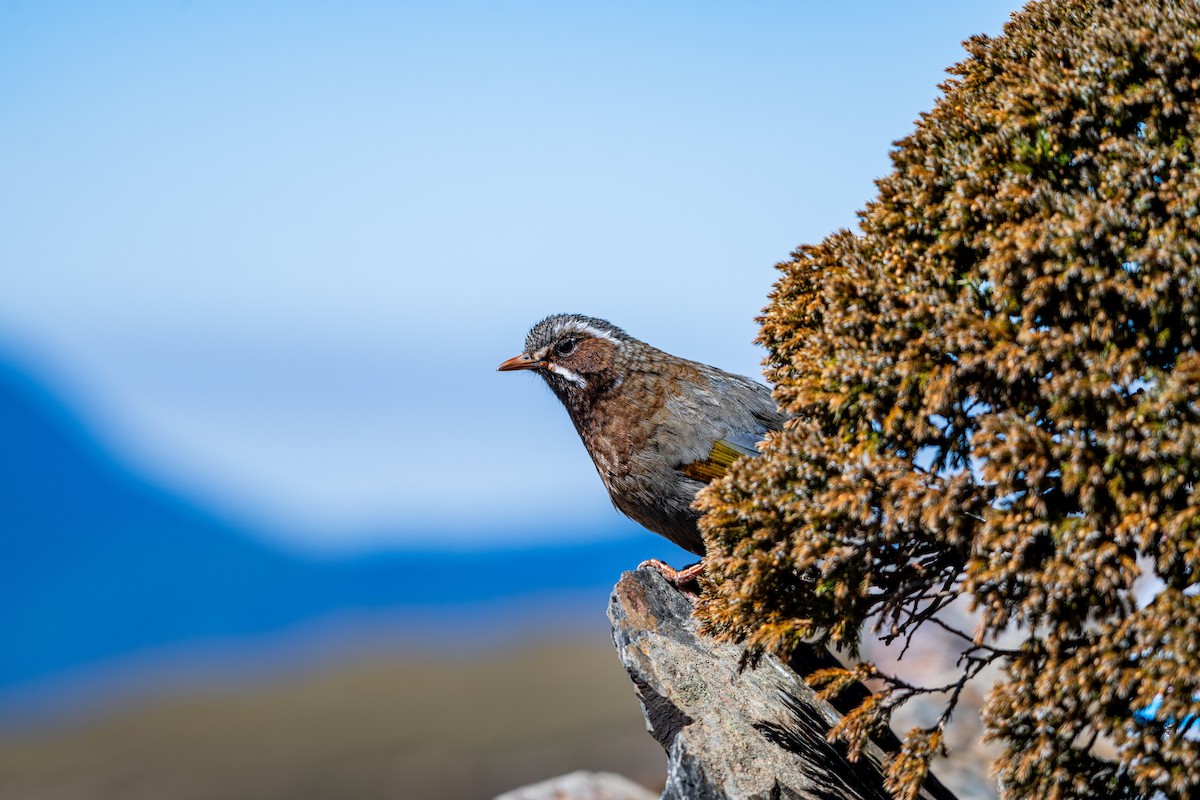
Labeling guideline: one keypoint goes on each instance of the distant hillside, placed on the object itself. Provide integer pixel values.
(403, 727)
(99, 562)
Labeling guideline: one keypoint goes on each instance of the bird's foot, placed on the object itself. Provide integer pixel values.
(686, 580)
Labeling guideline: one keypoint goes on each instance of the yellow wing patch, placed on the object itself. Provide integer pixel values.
(716, 465)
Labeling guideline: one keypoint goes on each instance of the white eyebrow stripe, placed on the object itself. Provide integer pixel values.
(597, 333)
(570, 375)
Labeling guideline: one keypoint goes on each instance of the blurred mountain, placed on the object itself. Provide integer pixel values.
(99, 562)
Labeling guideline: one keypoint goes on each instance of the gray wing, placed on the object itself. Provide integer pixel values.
(719, 425)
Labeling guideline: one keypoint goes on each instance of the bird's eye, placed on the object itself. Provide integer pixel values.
(565, 347)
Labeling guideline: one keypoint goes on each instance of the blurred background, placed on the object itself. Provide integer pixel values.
(272, 525)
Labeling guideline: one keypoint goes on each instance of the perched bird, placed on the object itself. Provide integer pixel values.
(658, 427)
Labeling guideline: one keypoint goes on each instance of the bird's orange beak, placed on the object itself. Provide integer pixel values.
(522, 361)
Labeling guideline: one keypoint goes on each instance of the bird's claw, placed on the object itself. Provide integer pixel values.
(686, 580)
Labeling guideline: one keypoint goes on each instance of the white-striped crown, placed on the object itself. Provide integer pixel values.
(554, 327)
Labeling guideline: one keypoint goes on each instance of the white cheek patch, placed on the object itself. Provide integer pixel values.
(573, 377)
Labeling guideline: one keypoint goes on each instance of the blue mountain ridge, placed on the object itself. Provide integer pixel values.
(98, 561)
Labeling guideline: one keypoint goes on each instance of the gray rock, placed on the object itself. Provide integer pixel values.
(582, 786)
(732, 734)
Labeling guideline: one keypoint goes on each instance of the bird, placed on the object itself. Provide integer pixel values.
(657, 427)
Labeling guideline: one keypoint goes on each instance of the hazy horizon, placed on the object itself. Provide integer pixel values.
(273, 253)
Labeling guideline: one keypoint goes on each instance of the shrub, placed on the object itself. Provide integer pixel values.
(996, 395)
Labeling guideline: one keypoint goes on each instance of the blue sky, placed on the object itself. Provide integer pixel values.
(273, 252)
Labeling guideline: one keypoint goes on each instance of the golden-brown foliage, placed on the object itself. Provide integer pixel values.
(996, 390)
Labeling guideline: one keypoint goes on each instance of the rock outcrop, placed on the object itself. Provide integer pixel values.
(730, 733)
